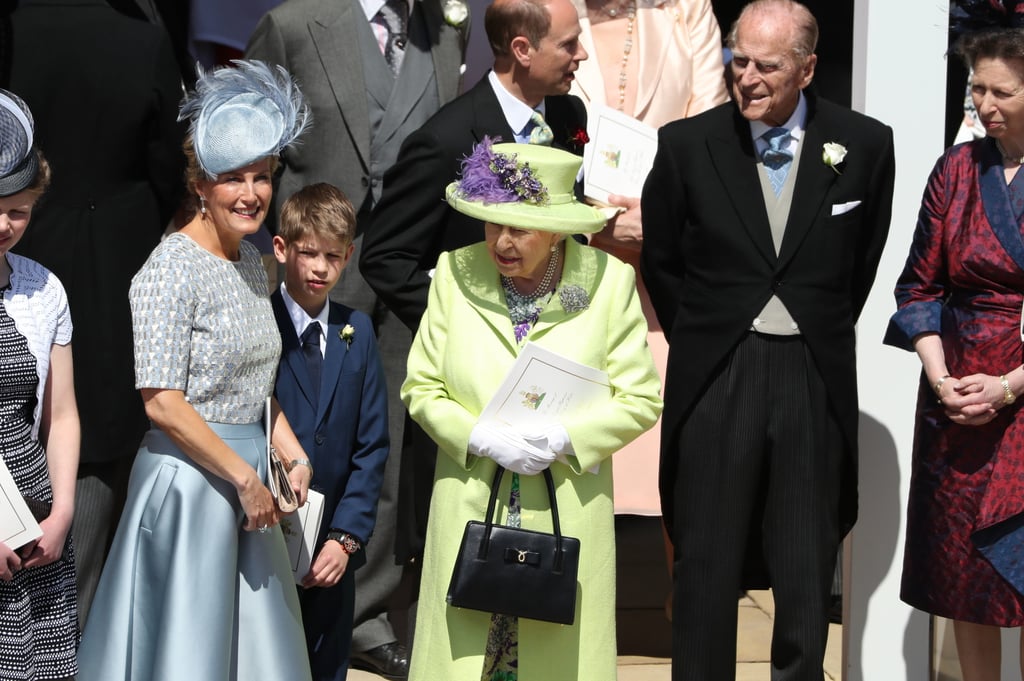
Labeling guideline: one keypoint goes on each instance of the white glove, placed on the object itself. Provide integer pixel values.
(553, 438)
(508, 448)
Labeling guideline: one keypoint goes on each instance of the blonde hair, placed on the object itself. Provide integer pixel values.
(194, 174)
(43, 176)
(320, 209)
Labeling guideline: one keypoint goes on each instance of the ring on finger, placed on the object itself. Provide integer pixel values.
(263, 529)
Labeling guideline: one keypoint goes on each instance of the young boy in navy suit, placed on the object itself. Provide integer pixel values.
(330, 384)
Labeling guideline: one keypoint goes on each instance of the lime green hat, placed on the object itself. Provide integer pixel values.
(528, 186)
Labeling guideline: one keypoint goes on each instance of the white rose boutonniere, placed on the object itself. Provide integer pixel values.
(347, 334)
(833, 154)
(455, 12)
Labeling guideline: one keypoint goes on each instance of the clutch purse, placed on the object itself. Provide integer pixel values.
(277, 475)
(279, 484)
(512, 571)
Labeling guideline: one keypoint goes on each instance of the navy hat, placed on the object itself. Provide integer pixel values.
(243, 114)
(19, 163)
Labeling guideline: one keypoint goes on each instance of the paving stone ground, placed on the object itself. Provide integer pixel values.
(644, 632)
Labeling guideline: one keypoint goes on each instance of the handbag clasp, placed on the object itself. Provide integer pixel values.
(522, 556)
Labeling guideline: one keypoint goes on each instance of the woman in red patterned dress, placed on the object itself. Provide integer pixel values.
(960, 298)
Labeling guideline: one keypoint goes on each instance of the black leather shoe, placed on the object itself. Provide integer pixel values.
(390, 660)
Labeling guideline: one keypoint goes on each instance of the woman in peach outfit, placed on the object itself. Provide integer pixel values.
(657, 62)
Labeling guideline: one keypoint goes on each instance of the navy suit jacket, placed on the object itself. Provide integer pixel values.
(346, 434)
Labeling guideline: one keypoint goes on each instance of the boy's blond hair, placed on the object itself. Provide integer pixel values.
(320, 209)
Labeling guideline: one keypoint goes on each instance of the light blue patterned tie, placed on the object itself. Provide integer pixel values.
(541, 131)
(776, 157)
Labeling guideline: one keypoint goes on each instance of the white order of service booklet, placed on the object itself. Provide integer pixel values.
(17, 525)
(618, 156)
(542, 387)
(300, 532)
(302, 526)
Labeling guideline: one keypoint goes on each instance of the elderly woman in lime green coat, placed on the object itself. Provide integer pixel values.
(467, 341)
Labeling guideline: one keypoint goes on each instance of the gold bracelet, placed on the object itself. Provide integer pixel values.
(1008, 396)
(938, 385)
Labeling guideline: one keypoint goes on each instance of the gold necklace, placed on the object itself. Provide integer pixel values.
(1019, 160)
(627, 47)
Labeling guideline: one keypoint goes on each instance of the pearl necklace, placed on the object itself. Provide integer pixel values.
(1019, 160)
(613, 9)
(545, 282)
(626, 49)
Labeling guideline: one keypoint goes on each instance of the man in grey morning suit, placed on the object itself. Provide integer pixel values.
(345, 55)
(764, 221)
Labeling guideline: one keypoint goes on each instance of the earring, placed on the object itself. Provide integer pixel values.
(202, 205)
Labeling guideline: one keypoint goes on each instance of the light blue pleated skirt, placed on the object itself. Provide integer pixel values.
(186, 593)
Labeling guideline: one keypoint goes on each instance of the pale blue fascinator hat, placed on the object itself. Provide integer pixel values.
(19, 163)
(241, 114)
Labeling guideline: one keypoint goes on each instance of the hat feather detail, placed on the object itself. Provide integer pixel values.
(242, 113)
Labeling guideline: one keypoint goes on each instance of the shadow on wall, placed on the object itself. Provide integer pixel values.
(878, 523)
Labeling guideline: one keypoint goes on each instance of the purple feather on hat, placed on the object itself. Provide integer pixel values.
(491, 177)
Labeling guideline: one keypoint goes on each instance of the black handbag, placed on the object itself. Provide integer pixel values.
(512, 571)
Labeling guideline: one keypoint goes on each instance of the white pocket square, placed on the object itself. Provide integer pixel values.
(840, 208)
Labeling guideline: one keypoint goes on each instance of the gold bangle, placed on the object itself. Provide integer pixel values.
(938, 385)
(1008, 396)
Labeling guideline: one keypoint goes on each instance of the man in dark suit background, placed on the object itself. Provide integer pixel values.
(536, 50)
(369, 84)
(765, 219)
(104, 90)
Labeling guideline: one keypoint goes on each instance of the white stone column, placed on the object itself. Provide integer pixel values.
(899, 78)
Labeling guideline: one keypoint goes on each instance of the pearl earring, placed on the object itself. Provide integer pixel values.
(202, 205)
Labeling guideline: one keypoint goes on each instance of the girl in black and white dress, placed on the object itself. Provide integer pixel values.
(39, 433)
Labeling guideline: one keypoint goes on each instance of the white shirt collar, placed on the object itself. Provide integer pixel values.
(517, 112)
(371, 7)
(796, 123)
(300, 320)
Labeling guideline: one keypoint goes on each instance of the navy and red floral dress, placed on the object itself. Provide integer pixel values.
(964, 279)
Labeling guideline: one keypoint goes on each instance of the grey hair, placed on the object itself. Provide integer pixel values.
(805, 26)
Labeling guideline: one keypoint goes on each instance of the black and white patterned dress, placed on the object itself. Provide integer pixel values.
(38, 620)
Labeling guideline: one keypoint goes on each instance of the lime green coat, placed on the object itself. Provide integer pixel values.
(463, 350)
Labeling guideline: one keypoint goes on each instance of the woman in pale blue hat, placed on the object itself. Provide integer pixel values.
(38, 425)
(526, 282)
(198, 584)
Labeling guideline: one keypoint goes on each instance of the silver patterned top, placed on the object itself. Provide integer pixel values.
(204, 325)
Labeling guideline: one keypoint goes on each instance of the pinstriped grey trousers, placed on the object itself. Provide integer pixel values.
(759, 455)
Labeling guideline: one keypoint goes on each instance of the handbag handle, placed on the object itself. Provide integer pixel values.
(493, 501)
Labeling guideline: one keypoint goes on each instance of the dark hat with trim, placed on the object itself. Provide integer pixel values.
(19, 163)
